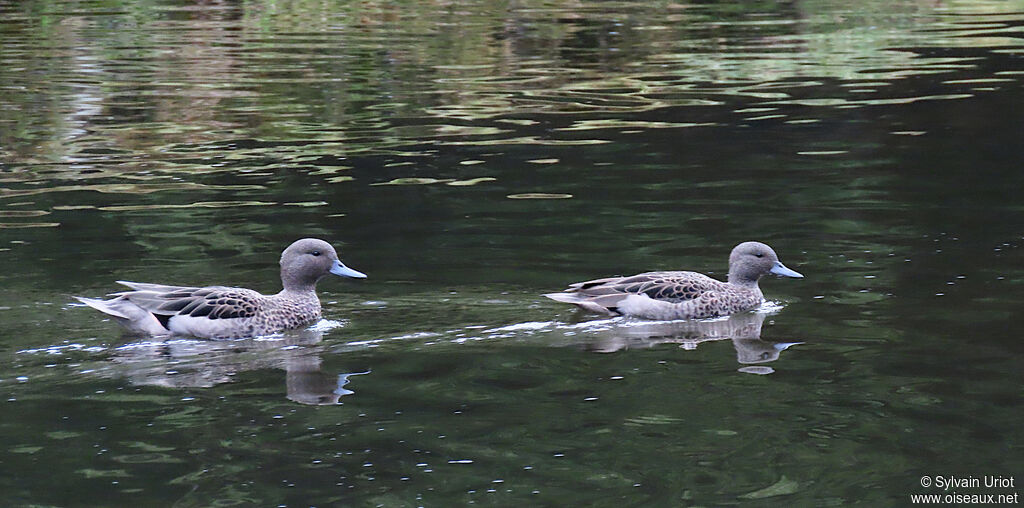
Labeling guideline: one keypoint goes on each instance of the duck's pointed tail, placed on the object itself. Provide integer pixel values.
(104, 306)
(604, 304)
(129, 315)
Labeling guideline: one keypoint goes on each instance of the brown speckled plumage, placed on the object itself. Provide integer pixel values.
(681, 295)
(220, 312)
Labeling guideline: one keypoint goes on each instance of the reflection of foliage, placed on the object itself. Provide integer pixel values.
(288, 69)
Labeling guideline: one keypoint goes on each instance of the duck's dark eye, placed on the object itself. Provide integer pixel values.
(315, 253)
(759, 255)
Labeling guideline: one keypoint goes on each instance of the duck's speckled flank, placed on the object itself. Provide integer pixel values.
(225, 312)
(681, 295)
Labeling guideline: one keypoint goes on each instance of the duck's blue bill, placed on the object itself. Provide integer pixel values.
(344, 271)
(781, 270)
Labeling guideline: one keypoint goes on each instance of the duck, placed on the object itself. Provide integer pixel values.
(221, 312)
(677, 295)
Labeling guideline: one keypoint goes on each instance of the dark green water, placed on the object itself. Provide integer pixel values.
(469, 157)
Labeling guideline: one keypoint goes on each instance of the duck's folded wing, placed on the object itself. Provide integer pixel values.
(215, 302)
(666, 286)
(156, 288)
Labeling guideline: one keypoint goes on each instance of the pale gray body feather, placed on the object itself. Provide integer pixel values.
(214, 312)
(680, 294)
(661, 295)
(227, 312)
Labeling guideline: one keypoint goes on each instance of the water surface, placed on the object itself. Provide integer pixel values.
(470, 157)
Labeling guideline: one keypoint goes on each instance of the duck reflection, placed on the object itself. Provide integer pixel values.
(198, 363)
(744, 330)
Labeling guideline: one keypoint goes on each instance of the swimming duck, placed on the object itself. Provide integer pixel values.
(220, 312)
(681, 295)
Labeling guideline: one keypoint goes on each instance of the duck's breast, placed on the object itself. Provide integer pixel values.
(281, 312)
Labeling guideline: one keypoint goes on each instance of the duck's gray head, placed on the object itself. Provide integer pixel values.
(750, 260)
(308, 260)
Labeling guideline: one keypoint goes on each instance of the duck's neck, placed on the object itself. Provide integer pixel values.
(296, 285)
(306, 299)
(741, 280)
(299, 291)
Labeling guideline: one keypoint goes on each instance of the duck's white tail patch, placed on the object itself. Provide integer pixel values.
(129, 315)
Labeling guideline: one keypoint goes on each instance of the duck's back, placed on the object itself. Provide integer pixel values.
(673, 286)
